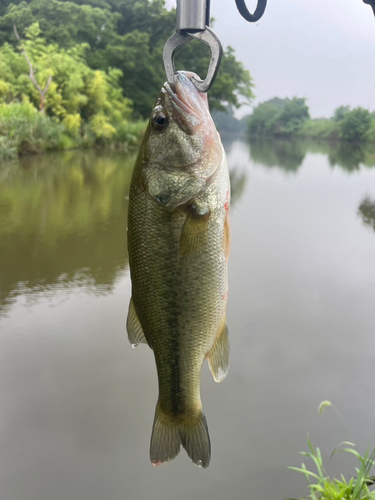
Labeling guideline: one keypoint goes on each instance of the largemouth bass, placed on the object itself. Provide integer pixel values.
(179, 238)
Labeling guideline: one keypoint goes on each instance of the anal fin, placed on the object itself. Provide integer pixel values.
(133, 327)
(218, 357)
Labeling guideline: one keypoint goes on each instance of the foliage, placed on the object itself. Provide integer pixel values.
(354, 124)
(233, 81)
(370, 133)
(279, 117)
(128, 35)
(319, 129)
(130, 133)
(75, 88)
(322, 487)
(83, 106)
(340, 113)
(24, 130)
(285, 117)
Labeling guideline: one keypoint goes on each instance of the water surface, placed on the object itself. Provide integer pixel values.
(77, 402)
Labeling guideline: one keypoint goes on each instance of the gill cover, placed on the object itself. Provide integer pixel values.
(183, 148)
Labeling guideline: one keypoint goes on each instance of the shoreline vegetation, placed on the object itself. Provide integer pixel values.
(86, 73)
(290, 118)
(25, 131)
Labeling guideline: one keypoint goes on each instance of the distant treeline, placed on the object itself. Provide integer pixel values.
(291, 117)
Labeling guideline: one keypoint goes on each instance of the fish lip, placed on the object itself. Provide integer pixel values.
(184, 102)
(176, 100)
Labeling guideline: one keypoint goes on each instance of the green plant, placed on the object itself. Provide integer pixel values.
(322, 487)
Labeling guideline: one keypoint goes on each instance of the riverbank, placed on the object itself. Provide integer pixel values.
(24, 130)
(289, 118)
(324, 130)
(356, 127)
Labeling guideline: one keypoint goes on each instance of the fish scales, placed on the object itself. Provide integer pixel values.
(178, 250)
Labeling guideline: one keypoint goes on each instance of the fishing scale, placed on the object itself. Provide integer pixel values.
(192, 22)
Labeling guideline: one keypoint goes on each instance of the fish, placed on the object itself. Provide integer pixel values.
(178, 243)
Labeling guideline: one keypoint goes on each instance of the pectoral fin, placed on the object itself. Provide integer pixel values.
(133, 327)
(194, 232)
(218, 357)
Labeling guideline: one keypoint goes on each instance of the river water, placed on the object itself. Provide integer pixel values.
(77, 402)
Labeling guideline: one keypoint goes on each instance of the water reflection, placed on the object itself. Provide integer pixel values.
(63, 216)
(347, 156)
(288, 155)
(63, 220)
(238, 181)
(302, 277)
(367, 212)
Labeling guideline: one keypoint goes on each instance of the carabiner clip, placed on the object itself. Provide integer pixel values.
(180, 38)
(193, 17)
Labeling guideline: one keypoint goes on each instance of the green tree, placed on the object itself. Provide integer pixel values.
(281, 117)
(76, 92)
(64, 23)
(340, 112)
(355, 124)
(128, 35)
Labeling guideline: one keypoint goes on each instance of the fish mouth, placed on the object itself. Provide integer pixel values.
(189, 106)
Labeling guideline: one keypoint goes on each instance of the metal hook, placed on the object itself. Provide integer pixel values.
(192, 22)
(258, 13)
(372, 3)
(178, 39)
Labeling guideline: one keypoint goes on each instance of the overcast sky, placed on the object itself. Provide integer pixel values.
(323, 50)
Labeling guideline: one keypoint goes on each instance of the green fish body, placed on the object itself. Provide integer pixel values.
(179, 238)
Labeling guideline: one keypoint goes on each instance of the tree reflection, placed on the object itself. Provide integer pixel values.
(238, 180)
(285, 154)
(367, 211)
(349, 156)
(63, 219)
(288, 155)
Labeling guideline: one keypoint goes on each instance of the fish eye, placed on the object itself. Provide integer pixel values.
(159, 120)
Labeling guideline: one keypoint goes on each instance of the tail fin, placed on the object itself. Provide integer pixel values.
(168, 435)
